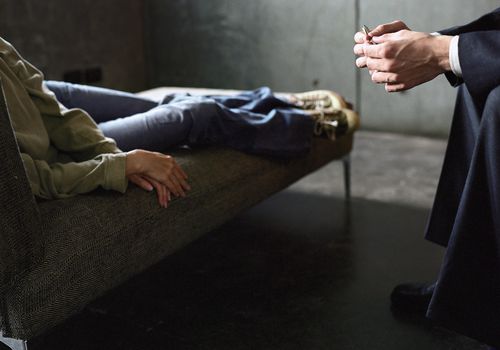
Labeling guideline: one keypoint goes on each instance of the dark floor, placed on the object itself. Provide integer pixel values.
(302, 270)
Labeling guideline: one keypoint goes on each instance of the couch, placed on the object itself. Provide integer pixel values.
(57, 256)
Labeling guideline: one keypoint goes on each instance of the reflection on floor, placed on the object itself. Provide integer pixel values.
(302, 270)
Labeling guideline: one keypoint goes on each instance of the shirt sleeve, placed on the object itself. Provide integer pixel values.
(454, 57)
(63, 180)
(455, 76)
(72, 131)
(98, 161)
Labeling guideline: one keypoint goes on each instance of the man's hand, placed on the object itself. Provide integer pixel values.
(402, 59)
(361, 38)
(152, 170)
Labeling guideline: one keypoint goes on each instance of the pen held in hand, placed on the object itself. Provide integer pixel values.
(366, 31)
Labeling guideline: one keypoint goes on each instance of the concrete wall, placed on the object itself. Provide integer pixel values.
(285, 44)
(294, 45)
(59, 36)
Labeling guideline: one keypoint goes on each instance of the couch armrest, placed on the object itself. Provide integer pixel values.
(19, 216)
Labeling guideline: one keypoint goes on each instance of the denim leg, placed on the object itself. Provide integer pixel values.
(158, 129)
(253, 122)
(102, 104)
(261, 100)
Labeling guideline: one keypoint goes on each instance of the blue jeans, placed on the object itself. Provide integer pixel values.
(253, 121)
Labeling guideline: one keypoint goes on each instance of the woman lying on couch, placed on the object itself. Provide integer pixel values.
(74, 138)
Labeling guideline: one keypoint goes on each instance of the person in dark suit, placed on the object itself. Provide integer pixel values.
(465, 216)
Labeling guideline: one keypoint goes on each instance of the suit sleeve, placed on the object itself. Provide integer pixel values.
(478, 53)
(490, 21)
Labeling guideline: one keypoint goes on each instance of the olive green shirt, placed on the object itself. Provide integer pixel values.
(63, 150)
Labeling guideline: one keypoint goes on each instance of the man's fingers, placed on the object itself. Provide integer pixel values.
(361, 38)
(388, 28)
(359, 49)
(395, 87)
(385, 78)
(374, 51)
(361, 62)
(377, 64)
(383, 38)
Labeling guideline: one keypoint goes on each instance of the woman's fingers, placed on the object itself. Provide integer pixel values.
(161, 191)
(181, 171)
(158, 167)
(181, 179)
(173, 185)
(141, 182)
(162, 195)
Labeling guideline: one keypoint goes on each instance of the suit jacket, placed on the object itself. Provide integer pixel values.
(479, 54)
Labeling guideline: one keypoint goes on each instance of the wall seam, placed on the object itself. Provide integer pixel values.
(357, 26)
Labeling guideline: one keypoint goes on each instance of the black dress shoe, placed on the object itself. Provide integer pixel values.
(412, 297)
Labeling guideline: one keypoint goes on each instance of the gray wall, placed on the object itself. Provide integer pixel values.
(294, 45)
(61, 35)
(426, 109)
(286, 44)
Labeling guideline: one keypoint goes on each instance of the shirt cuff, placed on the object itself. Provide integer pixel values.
(114, 178)
(454, 58)
(453, 55)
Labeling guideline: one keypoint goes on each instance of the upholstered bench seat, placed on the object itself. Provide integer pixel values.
(57, 256)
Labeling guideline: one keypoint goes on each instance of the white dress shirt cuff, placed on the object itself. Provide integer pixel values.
(454, 59)
(453, 55)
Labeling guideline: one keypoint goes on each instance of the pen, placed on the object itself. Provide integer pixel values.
(367, 30)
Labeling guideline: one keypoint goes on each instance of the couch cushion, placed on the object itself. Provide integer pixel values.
(94, 242)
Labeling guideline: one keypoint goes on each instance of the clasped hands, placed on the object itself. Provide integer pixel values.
(400, 58)
(153, 170)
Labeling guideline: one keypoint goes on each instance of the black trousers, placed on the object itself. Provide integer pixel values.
(466, 219)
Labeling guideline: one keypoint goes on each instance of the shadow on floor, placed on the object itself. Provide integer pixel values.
(298, 271)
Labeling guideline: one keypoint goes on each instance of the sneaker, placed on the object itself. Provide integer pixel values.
(318, 99)
(333, 123)
(332, 114)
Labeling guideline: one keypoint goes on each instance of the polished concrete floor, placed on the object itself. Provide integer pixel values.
(302, 270)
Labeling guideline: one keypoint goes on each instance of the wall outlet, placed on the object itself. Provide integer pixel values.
(93, 75)
(83, 76)
(74, 76)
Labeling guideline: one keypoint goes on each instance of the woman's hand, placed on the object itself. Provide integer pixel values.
(152, 170)
(149, 184)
